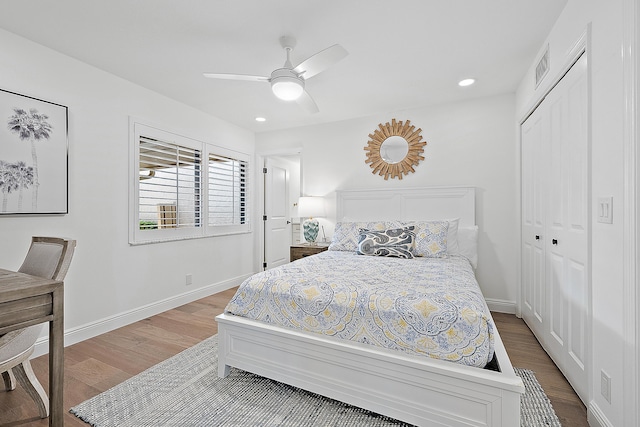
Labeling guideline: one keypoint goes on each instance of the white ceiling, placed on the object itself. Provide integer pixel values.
(402, 53)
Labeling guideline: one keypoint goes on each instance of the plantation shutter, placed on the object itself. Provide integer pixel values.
(169, 187)
(183, 188)
(227, 191)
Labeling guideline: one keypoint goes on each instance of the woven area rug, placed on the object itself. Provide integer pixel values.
(186, 391)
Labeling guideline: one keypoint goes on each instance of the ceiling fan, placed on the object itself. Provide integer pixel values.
(287, 83)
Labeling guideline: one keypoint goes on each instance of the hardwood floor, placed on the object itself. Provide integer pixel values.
(98, 364)
(525, 352)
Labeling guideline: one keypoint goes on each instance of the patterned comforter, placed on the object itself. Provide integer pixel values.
(423, 306)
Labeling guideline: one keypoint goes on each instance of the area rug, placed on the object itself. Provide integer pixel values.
(186, 391)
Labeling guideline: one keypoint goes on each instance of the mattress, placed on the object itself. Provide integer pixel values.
(423, 306)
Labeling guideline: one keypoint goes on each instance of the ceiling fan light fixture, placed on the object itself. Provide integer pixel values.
(288, 82)
(287, 88)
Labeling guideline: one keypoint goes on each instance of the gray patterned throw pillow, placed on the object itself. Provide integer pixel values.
(396, 242)
(346, 234)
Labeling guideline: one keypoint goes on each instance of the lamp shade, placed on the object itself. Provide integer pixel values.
(309, 207)
(287, 88)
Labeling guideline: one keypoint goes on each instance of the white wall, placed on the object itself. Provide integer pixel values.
(111, 282)
(468, 143)
(607, 179)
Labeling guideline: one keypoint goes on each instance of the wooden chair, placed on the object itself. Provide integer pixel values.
(48, 257)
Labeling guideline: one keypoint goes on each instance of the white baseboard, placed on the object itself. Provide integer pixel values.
(595, 416)
(501, 306)
(90, 330)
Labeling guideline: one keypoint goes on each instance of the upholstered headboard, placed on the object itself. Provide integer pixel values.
(408, 204)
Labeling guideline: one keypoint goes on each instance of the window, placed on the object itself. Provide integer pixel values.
(169, 191)
(227, 191)
(185, 188)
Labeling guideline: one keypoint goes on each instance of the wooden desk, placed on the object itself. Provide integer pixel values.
(28, 300)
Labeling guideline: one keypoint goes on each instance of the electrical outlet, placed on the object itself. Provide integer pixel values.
(605, 385)
(189, 279)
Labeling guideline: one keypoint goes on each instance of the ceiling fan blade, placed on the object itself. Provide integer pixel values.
(307, 102)
(320, 61)
(237, 77)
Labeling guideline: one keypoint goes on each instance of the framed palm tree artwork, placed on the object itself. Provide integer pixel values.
(33, 155)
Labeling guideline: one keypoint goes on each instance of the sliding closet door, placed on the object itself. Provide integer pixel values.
(555, 225)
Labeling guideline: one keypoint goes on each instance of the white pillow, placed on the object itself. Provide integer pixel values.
(452, 237)
(468, 244)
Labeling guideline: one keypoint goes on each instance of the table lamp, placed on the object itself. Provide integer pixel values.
(310, 207)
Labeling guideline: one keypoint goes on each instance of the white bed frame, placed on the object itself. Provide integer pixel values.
(417, 390)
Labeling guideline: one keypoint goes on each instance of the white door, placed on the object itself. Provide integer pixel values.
(555, 225)
(568, 226)
(277, 219)
(534, 163)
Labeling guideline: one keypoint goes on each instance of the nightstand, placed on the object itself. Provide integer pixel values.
(302, 250)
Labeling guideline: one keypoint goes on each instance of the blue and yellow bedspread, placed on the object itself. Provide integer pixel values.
(424, 306)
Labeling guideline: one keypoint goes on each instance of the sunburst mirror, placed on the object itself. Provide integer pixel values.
(394, 149)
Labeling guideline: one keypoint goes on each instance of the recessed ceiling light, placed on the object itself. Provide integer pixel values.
(466, 82)
(260, 119)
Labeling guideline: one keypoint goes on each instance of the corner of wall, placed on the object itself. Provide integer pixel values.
(501, 306)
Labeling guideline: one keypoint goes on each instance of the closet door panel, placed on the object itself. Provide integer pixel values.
(557, 187)
(539, 294)
(577, 316)
(556, 200)
(533, 197)
(527, 280)
(577, 230)
(578, 149)
(556, 226)
(557, 306)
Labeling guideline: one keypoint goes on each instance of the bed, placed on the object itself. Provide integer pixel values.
(397, 380)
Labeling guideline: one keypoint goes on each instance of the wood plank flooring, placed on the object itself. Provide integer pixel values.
(98, 364)
(525, 352)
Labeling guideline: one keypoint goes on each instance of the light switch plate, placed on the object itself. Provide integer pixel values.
(605, 386)
(605, 210)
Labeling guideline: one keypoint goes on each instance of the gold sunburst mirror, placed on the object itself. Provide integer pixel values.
(394, 149)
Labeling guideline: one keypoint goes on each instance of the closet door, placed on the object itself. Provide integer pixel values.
(555, 225)
(568, 226)
(534, 162)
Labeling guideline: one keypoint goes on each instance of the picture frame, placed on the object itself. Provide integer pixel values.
(34, 155)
